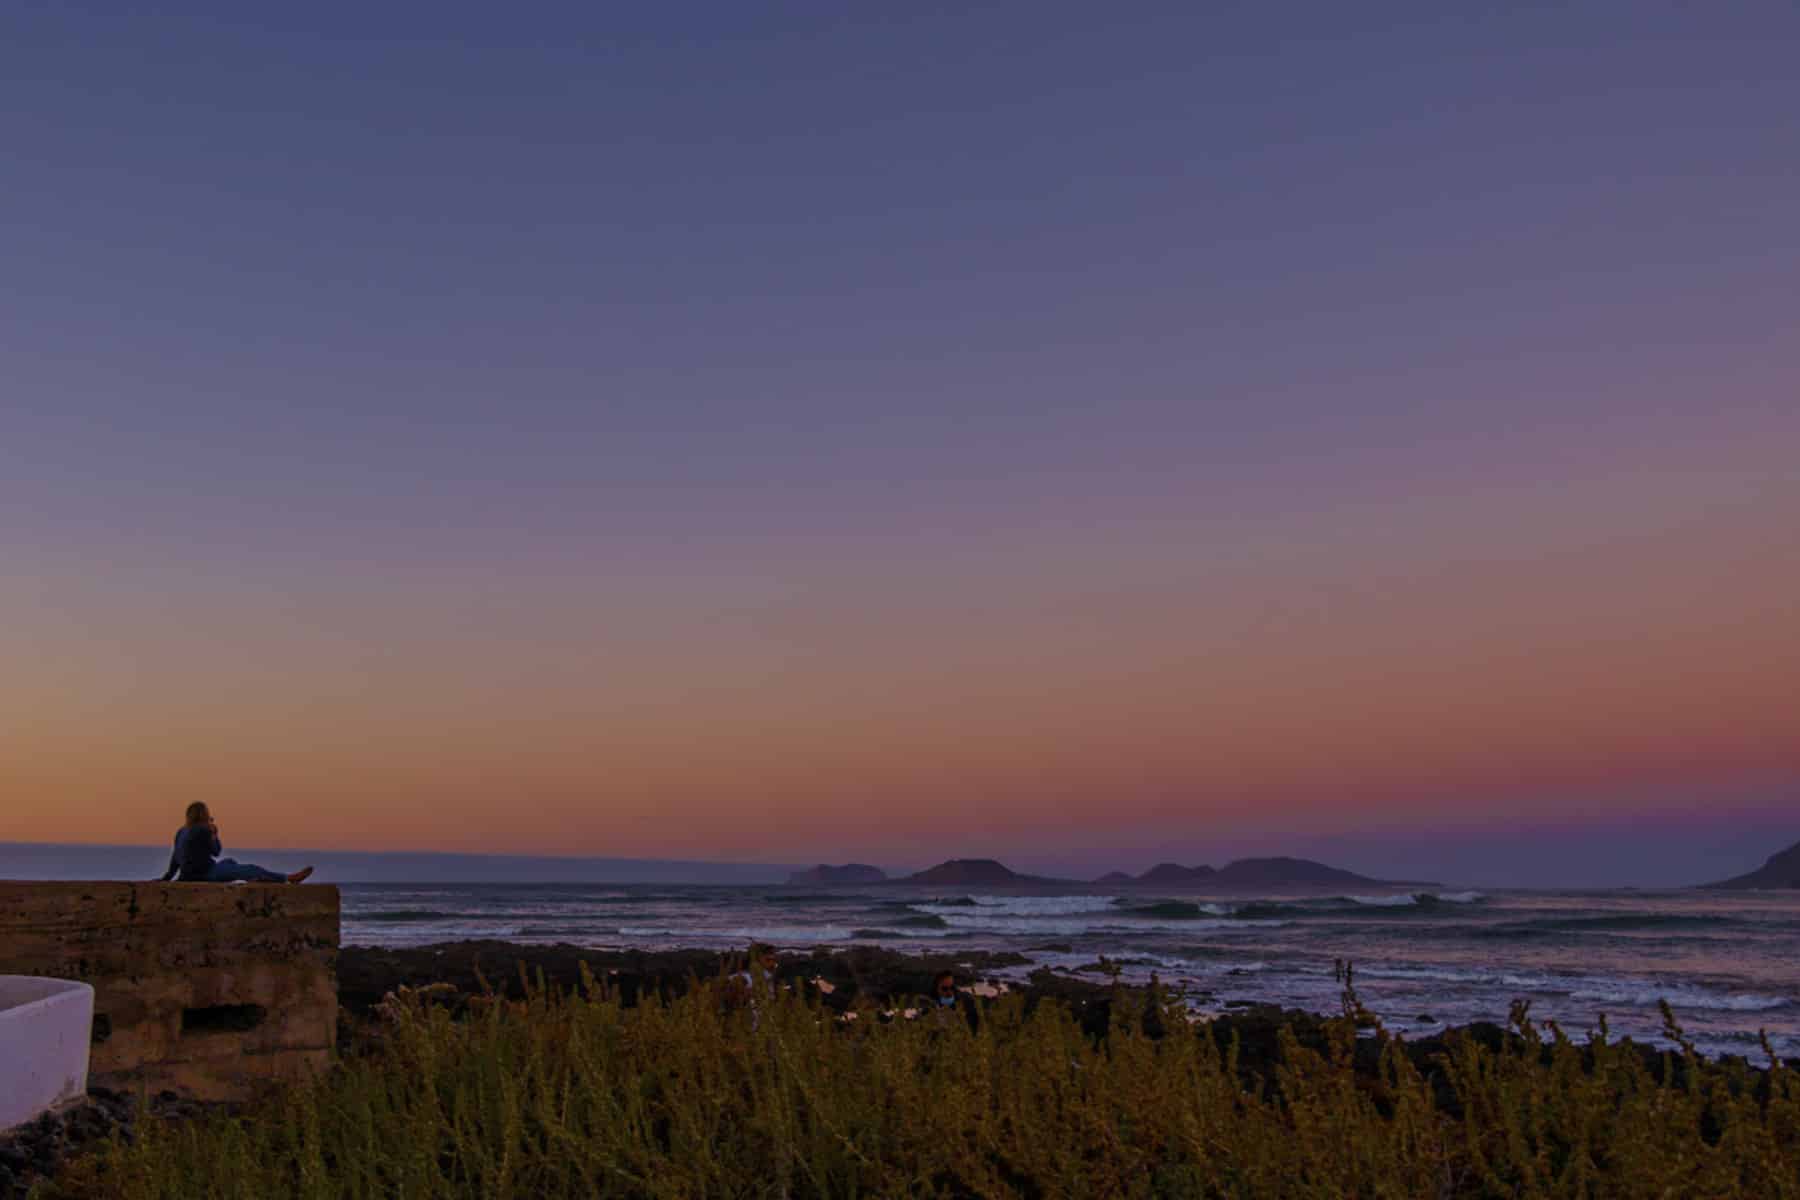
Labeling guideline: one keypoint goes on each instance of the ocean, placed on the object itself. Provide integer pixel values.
(1728, 963)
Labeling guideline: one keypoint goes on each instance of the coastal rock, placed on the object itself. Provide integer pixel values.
(37, 1150)
(1292, 872)
(209, 989)
(975, 872)
(455, 973)
(1780, 871)
(829, 876)
(1175, 875)
(1279, 872)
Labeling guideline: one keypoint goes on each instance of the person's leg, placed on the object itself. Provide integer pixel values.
(230, 870)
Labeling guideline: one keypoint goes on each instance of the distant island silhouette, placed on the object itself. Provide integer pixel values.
(1279, 871)
(1242, 873)
(827, 876)
(1782, 870)
(975, 872)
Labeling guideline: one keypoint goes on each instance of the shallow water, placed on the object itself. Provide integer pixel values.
(1729, 963)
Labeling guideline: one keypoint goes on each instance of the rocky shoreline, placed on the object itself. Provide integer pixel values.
(37, 1149)
(454, 974)
(871, 975)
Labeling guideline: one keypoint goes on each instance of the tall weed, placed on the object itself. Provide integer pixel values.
(698, 1096)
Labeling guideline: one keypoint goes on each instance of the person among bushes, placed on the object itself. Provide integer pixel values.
(947, 1000)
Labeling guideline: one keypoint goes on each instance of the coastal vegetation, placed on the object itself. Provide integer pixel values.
(709, 1093)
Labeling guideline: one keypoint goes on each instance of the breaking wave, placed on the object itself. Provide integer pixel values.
(1679, 997)
(924, 921)
(1019, 906)
(1178, 909)
(1350, 906)
(401, 916)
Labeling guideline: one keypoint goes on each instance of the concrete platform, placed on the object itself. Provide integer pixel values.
(44, 1030)
(204, 989)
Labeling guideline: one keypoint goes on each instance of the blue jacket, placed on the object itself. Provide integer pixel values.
(192, 859)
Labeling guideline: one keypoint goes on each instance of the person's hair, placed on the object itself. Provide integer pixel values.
(198, 813)
(938, 979)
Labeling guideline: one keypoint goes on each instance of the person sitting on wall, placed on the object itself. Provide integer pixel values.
(196, 848)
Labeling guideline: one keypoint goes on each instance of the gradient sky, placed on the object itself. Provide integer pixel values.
(1078, 434)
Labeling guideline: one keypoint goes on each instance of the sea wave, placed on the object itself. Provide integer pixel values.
(564, 931)
(400, 916)
(1415, 899)
(785, 935)
(1625, 922)
(1397, 901)
(924, 921)
(1545, 984)
(1121, 923)
(1019, 906)
(1178, 909)
(1679, 996)
(908, 935)
(1635, 993)
(790, 935)
(812, 897)
(1371, 906)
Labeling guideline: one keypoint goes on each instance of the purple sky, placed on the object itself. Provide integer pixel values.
(841, 412)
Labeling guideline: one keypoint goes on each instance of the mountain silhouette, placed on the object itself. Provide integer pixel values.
(1243, 873)
(1781, 871)
(1175, 875)
(1253, 873)
(823, 875)
(974, 872)
(1288, 872)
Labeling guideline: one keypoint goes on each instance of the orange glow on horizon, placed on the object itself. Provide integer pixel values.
(1352, 683)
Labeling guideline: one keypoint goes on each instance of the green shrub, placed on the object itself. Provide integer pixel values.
(703, 1097)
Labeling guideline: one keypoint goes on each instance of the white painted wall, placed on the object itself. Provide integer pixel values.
(45, 1026)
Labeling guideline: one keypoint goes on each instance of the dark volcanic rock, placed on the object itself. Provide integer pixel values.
(1254, 873)
(974, 872)
(1175, 875)
(828, 876)
(1781, 871)
(1295, 872)
(38, 1149)
(366, 975)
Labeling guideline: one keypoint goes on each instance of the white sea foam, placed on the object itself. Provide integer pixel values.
(1074, 926)
(1635, 993)
(1023, 906)
(1530, 983)
(1680, 997)
(785, 935)
(1409, 899)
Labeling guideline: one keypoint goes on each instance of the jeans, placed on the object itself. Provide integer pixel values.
(230, 870)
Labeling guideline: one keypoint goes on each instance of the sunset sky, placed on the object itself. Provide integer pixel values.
(1079, 434)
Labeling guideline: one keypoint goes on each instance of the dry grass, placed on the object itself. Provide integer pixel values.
(580, 1097)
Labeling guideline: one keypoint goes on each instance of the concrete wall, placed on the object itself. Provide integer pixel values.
(206, 989)
(45, 1026)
